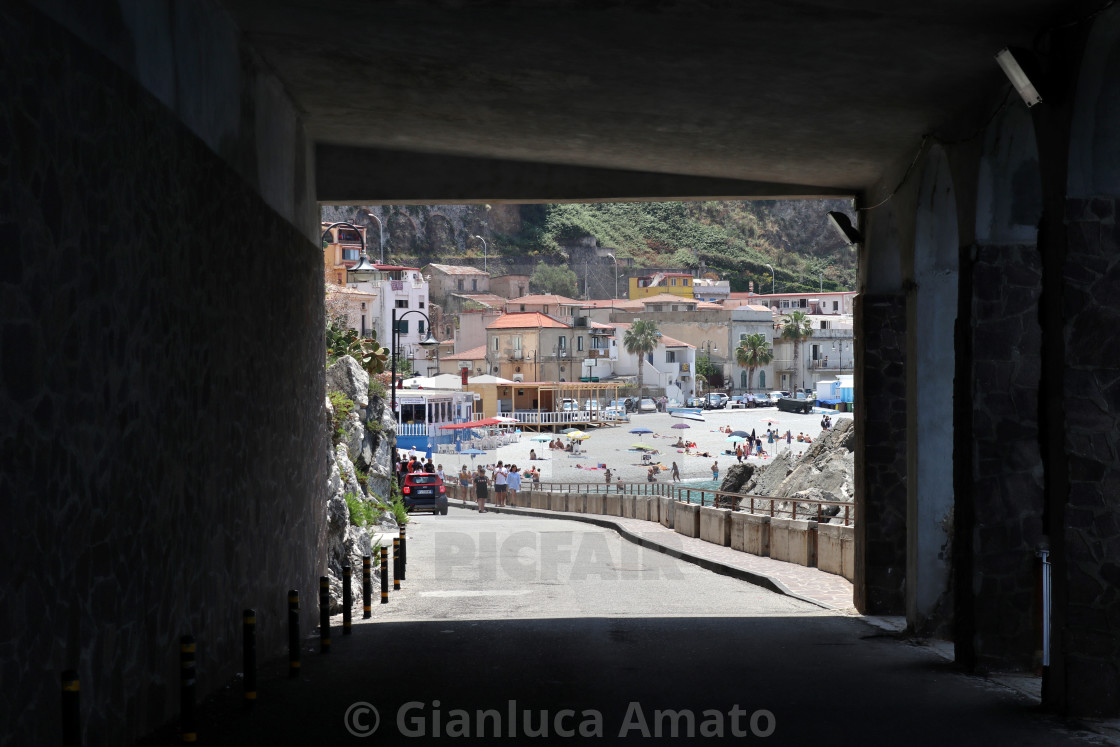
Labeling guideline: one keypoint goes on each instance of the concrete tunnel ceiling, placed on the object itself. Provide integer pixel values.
(810, 97)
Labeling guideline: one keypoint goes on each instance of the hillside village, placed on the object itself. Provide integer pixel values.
(500, 348)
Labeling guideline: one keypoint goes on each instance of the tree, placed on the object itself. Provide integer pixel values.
(796, 328)
(641, 340)
(753, 352)
(549, 279)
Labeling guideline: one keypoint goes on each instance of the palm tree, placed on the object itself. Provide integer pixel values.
(640, 340)
(796, 328)
(753, 352)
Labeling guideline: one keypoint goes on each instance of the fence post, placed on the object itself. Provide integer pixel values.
(404, 552)
(367, 586)
(396, 564)
(249, 654)
(71, 713)
(347, 597)
(384, 574)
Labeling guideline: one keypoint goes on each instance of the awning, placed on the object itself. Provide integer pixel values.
(473, 424)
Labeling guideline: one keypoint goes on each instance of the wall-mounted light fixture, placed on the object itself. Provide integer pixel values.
(1014, 72)
(843, 225)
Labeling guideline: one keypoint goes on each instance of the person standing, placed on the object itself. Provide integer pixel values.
(715, 470)
(739, 453)
(465, 483)
(608, 469)
(676, 473)
(501, 484)
(480, 488)
(514, 481)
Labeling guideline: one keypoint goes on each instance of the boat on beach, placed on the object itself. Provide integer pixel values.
(689, 413)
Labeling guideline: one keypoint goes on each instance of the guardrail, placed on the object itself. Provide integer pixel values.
(754, 504)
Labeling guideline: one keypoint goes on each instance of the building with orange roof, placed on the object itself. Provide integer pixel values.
(534, 346)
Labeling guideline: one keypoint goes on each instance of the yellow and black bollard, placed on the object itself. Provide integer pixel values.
(396, 564)
(404, 552)
(384, 574)
(347, 598)
(367, 586)
(71, 714)
(293, 633)
(324, 615)
(187, 724)
(249, 654)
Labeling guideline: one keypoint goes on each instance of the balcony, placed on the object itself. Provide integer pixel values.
(516, 355)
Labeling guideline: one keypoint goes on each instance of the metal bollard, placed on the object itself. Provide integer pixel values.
(187, 723)
(293, 633)
(404, 552)
(367, 586)
(384, 574)
(324, 615)
(396, 564)
(71, 714)
(347, 598)
(249, 654)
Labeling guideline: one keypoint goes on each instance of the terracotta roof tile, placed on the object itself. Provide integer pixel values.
(526, 320)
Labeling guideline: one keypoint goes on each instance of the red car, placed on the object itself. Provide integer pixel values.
(424, 491)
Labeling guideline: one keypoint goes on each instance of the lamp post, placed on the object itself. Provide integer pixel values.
(773, 280)
(380, 236)
(394, 333)
(483, 252)
(615, 274)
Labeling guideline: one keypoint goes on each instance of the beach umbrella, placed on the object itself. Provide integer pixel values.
(641, 431)
(541, 437)
(735, 438)
(742, 434)
(472, 452)
(753, 437)
(579, 436)
(682, 425)
(504, 419)
(566, 431)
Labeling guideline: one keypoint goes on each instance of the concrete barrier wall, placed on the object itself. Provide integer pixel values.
(594, 504)
(540, 500)
(686, 519)
(654, 509)
(612, 504)
(665, 513)
(577, 502)
(836, 550)
(628, 503)
(751, 533)
(715, 525)
(558, 501)
(794, 541)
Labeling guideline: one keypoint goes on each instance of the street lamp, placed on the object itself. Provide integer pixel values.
(427, 344)
(364, 269)
(615, 274)
(773, 279)
(380, 236)
(483, 252)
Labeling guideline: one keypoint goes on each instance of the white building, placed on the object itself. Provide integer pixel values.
(669, 369)
(403, 289)
(825, 356)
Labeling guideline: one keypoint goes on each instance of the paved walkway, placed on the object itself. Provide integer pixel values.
(808, 584)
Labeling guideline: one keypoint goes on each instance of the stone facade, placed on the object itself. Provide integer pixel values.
(161, 436)
(880, 563)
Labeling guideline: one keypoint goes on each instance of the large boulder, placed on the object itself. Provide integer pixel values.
(737, 476)
(347, 376)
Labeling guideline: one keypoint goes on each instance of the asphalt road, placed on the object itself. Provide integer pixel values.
(509, 625)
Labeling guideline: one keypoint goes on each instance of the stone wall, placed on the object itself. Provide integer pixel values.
(161, 411)
(880, 563)
(1092, 441)
(1006, 480)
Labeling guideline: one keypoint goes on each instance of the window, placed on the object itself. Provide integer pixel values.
(522, 307)
(579, 343)
(474, 284)
(402, 326)
(824, 324)
(420, 326)
(785, 303)
(402, 304)
(459, 284)
(835, 305)
(421, 304)
(674, 307)
(742, 336)
(803, 303)
(516, 342)
(672, 281)
(546, 309)
(685, 281)
(495, 343)
(670, 356)
(563, 343)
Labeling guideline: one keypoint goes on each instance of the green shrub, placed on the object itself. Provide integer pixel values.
(362, 513)
(362, 478)
(396, 506)
(343, 406)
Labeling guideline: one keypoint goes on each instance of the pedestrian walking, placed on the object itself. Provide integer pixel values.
(608, 475)
(514, 480)
(481, 489)
(676, 473)
(739, 453)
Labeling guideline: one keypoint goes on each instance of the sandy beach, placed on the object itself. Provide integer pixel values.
(612, 446)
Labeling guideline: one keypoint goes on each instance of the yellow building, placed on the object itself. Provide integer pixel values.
(674, 283)
(342, 247)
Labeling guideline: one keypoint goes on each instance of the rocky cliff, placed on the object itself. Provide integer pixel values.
(825, 472)
(366, 444)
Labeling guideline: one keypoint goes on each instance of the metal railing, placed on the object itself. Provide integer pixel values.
(753, 504)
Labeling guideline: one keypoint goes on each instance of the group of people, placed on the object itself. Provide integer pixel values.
(408, 463)
(826, 423)
(559, 445)
(506, 480)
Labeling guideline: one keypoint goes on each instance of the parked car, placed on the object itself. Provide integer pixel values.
(591, 405)
(758, 399)
(647, 405)
(694, 402)
(424, 491)
(740, 402)
(715, 401)
(619, 414)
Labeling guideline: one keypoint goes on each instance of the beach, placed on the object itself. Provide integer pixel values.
(612, 446)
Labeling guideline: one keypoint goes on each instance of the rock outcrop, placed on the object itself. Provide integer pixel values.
(825, 472)
(366, 444)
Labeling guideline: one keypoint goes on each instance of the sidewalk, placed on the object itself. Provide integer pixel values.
(811, 585)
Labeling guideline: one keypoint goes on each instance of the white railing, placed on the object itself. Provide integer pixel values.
(532, 417)
(412, 429)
